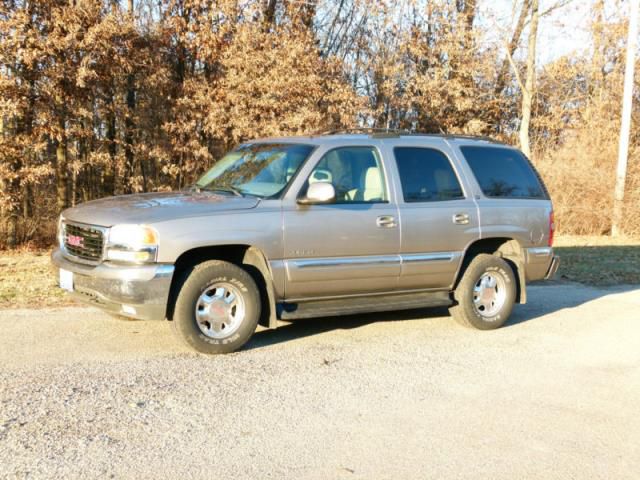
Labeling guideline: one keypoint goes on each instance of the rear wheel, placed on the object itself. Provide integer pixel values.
(486, 293)
(218, 308)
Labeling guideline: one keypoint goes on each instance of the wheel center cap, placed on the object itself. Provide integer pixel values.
(218, 310)
(487, 294)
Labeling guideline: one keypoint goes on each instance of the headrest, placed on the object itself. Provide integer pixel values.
(372, 184)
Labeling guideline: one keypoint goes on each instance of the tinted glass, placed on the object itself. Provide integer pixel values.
(355, 173)
(260, 169)
(503, 172)
(426, 175)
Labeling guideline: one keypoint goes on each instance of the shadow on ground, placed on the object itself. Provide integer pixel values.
(543, 300)
(298, 329)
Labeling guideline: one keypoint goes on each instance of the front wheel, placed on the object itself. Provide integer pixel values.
(218, 308)
(486, 293)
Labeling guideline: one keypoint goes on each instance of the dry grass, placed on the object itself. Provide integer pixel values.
(28, 281)
(580, 175)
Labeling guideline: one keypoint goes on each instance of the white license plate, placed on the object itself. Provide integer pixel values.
(66, 280)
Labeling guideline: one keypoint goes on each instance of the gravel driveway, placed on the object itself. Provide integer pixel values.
(556, 394)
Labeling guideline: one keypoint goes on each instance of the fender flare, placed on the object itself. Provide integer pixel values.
(255, 258)
(512, 252)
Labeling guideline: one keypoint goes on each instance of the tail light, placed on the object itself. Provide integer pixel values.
(552, 227)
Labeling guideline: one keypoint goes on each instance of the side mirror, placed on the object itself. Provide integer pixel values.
(319, 192)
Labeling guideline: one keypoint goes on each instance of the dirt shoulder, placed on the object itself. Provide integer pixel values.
(27, 280)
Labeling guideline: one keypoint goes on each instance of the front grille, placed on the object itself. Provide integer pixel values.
(83, 241)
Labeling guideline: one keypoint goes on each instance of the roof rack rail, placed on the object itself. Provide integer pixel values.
(395, 133)
(459, 136)
(371, 130)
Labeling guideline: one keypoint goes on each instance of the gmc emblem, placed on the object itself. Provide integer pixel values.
(75, 241)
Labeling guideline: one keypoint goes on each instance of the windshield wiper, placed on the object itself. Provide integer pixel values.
(225, 188)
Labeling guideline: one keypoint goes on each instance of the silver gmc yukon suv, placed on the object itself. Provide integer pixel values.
(299, 227)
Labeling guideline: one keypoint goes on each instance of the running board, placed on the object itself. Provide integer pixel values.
(353, 305)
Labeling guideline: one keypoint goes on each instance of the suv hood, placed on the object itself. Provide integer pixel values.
(148, 208)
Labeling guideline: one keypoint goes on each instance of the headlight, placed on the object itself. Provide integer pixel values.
(132, 244)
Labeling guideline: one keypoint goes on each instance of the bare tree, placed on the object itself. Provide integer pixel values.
(129, 118)
(512, 45)
(528, 87)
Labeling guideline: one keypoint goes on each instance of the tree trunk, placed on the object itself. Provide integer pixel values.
(27, 205)
(467, 9)
(129, 123)
(12, 227)
(598, 61)
(625, 126)
(27, 201)
(10, 211)
(61, 170)
(270, 14)
(73, 184)
(129, 126)
(528, 90)
(457, 57)
(309, 13)
(111, 170)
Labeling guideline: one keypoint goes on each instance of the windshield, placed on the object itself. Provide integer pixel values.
(259, 169)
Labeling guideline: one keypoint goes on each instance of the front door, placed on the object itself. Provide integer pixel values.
(350, 246)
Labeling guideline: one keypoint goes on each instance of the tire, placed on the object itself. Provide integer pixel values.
(208, 289)
(494, 278)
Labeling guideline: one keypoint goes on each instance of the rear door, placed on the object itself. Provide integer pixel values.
(438, 215)
(349, 247)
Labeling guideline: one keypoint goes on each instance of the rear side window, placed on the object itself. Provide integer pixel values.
(426, 175)
(503, 173)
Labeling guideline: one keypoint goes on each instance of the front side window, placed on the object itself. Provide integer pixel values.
(258, 169)
(426, 175)
(503, 173)
(355, 172)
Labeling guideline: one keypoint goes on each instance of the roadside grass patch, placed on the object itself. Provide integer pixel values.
(27, 280)
(599, 261)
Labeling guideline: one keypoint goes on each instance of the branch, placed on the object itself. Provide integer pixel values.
(560, 4)
(515, 70)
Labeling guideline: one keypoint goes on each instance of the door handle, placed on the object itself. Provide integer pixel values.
(461, 218)
(386, 221)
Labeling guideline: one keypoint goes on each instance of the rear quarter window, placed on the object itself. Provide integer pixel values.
(504, 173)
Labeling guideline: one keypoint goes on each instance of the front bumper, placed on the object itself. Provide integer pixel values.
(137, 291)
